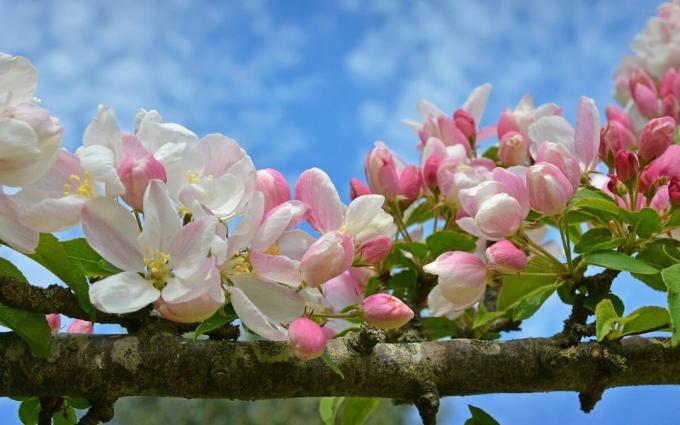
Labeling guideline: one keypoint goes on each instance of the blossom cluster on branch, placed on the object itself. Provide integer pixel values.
(468, 242)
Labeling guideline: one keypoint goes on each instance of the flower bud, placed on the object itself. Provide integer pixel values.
(656, 137)
(626, 165)
(326, 258)
(136, 170)
(465, 123)
(458, 271)
(616, 114)
(512, 149)
(643, 91)
(559, 156)
(410, 183)
(613, 137)
(357, 188)
(549, 189)
(504, 257)
(306, 339)
(274, 187)
(674, 191)
(80, 327)
(54, 321)
(374, 250)
(615, 186)
(385, 311)
(381, 172)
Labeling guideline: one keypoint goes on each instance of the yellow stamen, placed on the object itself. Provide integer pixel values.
(193, 177)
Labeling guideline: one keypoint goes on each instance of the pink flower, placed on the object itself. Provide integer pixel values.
(373, 251)
(136, 170)
(328, 257)
(385, 311)
(549, 189)
(274, 187)
(306, 339)
(495, 209)
(357, 188)
(560, 157)
(616, 114)
(346, 289)
(614, 137)
(462, 277)
(504, 257)
(656, 137)
(513, 149)
(80, 327)
(643, 92)
(626, 165)
(465, 123)
(523, 116)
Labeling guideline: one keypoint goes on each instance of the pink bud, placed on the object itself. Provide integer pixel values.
(670, 84)
(274, 187)
(430, 169)
(665, 166)
(80, 327)
(613, 137)
(374, 250)
(357, 188)
(512, 149)
(626, 165)
(465, 123)
(136, 170)
(559, 156)
(643, 91)
(504, 257)
(656, 137)
(506, 124)
(306, 339)
(381, 172)
(549, 189)
(326, 258)
(615, 186)
(54, 321)
(614, 113)
(674, 191)
(458, 272)
(385, 311)
(410, 183)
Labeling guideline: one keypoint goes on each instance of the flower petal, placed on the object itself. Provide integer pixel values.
(316, 189)
(12, 232)
(553, 128)
(279, 303)
(476, 102)
(361, 212)
(161, 222)
(123, 293)
(277, 268)
(587, 136)
(252, 317)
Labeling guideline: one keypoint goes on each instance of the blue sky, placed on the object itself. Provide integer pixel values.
(305, 83)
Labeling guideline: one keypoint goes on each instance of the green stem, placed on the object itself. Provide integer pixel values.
(563, 226)
(538, 249)
(139, 221)
(400, 221)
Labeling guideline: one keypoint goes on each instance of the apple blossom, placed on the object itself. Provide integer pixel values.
(357, 188)
(12, 230)
(505, 257)
(626, 165)
(389, 176)
(656, 137)
(513, 149)
(306, 339)
(385, 311)
(549, 189)
(462, 277)
(274, 187)
(80, 327)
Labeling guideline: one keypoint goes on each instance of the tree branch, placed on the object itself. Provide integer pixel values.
(108, 367)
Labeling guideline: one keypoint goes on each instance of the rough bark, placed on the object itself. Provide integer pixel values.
(106, 367)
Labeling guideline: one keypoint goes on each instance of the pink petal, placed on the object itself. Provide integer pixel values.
(315, 189)
(277, 268)
(123, 293)
(587, 133)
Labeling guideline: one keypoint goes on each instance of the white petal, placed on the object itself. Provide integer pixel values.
(553, 128)
(54, 214)
(253, 318)
(361, 212)
(161, 222)
(476, 102)
(17, 77)
(99, 160)
(279, 303)
(104, 131)
(12, 232)
(122, 293)
(427, 109)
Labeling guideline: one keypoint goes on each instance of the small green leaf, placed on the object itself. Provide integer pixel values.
(448, 240)
(29, 410)
(79, 403)
(332, 365)
(534, 282)
(213, 322)
(403, 284)
(671, 277)
(356, 410)
(87, 260)
(645, 222)
(52, 255)
(420, 214)
(596, 240)
(65, 416)
(31, 327)
(480, 417)
(483, 316)
(604, 313)
(439, 327)
(328, 409)
(645, 319)
(417, 249)
(619, 261)
(491, 153)
(530, 303)
(591, 302)
(674, 219)
(10, 270)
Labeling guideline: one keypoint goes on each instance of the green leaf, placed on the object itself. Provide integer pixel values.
(417, 249)
(516, 287)
(439, 327)
(592, 301)
(87, 260)
(658, 255)
(420, 214)
(332, 365)
(31, 327)
(79, 403)
(645, 319)
(65, 416)
(596, 240)
(529, 304)
(328, 409)
(674, 219)
(483, 316)
(645, 222)
(356, 410)
(480, 417)
(604, 315)
(52, 255)
(448, 240)
(10, 270)
(616, 260)
(491, 153)
(29, 411)
(671, 277)
(403, 283)
(213, 322)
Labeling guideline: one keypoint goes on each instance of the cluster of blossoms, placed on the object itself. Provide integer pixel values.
(191, 226)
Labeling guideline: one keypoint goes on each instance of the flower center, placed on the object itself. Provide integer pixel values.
(157, 269)
(193, 177)
(84, 186)
(274, 250)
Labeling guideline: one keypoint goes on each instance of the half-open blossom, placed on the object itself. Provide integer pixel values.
(549, 189)
(505, 257)
(558, 155)
(523, 116)
(616, 114)
(626, 165)
(274, 187)
(614, 137)
(54, 321)
(357, 188)
(513, 149)
(306, 339)
(137, 170)
(665, 166)
(165, 261)
(656, 137)
(29, 136)
(389, 176)
(385, 311)
(495, 209)
(644, 94)
(462, 278)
